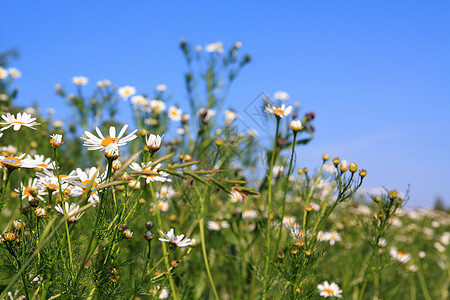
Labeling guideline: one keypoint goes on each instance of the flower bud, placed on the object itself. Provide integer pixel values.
(128, 233)
(344, 166)
(336, 161)
(362, 173)
(325, 157)
(393, 194)
(353, 167)
(296, 125)
(149, 236)
(40, 212)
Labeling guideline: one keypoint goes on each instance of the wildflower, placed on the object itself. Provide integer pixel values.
(163, 293)
(279, 112)
(56, 140)
(289, 220)
(161, 88)
(31, 191)
(163, 206)
(22, 119)
(15, 162)
(100, 143)
(84, 180)
(41, 161)
(151, 174)
(15, 73)
(235, 196)
(157, 106)
(214, 47)
(111, 151)
(296, 125)
(175, 113)
(230, 116)
(139, 100)
(70, 211)
(50, 182)
(205, 114)
(400, 256)
(128, 233)
(175, 241)
(344, 166)
(249, 214)
(217, 225)
(149, 236)
(126, 91)
(280, 95)
(329, 290)
(295, 230)
(3, 73)
(80, 80)
(166, 192)
(153, 142)
(40, 212)
(333, 237)
(180, 131)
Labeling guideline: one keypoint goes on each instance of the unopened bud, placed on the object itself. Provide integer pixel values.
(362, 173)
(336, 161)
(353, 167)
(344, 166)
(325, 157)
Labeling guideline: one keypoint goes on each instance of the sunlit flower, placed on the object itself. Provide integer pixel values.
(400, 256)
(295, 230)
(157, 106)
(22, 119)
(84, 180)
(235, 196)
(139, 100)
(153, 142)
(150, 174)
(41, 161)
(3, 73)
(230, 116)
(163, 206)
(15, 162)
(175, 241)
(70, 211)
(279, 112)
(127, 91)
(15, 73)
(280, 95)
(289, 221)
(49, 181)
(80, 80)
(56, 140)
(333, 237)
(214, 47)
(161, 88)
(249, 214)
(217, 225)
(296, 125)
(180, 131)
(329, 290)
(166, 192)
(100, 143)
(31, 191)
(175, 113)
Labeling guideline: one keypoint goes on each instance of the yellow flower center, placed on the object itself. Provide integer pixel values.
(19, 122)
(11, 161)
(42, 165)
(27, 190)
(86, 183)
(279, 111)
(150, 173)
(108, 141)
(329, 291)
(400, 254)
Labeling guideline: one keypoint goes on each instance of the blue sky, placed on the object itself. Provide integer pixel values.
(376, 73)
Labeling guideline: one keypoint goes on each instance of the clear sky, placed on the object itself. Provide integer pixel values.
(376, 73)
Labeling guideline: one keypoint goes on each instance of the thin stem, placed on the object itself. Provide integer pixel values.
(269, 204)
(163, 244)
(205, 257)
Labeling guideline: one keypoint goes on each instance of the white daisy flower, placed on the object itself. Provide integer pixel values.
(127, 91)
(157, 106)
(400, 256)
(166, 192)
(161, 88)
(100, 143)
(31, 191)
(281, 95)
(217, 225)
(85, 178)
(333, 237)
(235, 196)
(175, 241)
(3, 73)
(22, 119)
(249, 214)
(175, 113)
(139, 100)
(163, 206)
(15, 73)
(70, 211)
(214, 47)
(41, 161)
(329, 290)
(80, 80)
(230, 116)
(153, 142)
(279, 112)
(15, 162)
(150, 174)
(295, 230)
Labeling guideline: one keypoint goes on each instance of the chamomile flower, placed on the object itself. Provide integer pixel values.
(100, 142)
(56, 140)
(31, 191)
(175, 241)
(15, 162)
(175, 113)
(70, 211)
(127, 91)
(214, 47)
(84, 180)
(139, 100)
(15, 73)
(217, 225)
(22, 119)
(333, 237)
(149, 173)
(329, 290)
(3, 73)
(235, 196)
(230, 116)
(281, 95)
(42, 162)
(157, 106)
(166, 192)
(400, 256)
(153, 142)
(163, 206)
(249, 214)
(161, 88)
(279, 112)
(295, 230)
(80, 80)
(49, 181)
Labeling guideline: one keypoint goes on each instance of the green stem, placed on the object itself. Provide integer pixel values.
(205, 257)
(163, 244)
(269, 204)
(423, 284)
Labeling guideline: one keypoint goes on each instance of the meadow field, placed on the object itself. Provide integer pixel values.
(190, 204)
